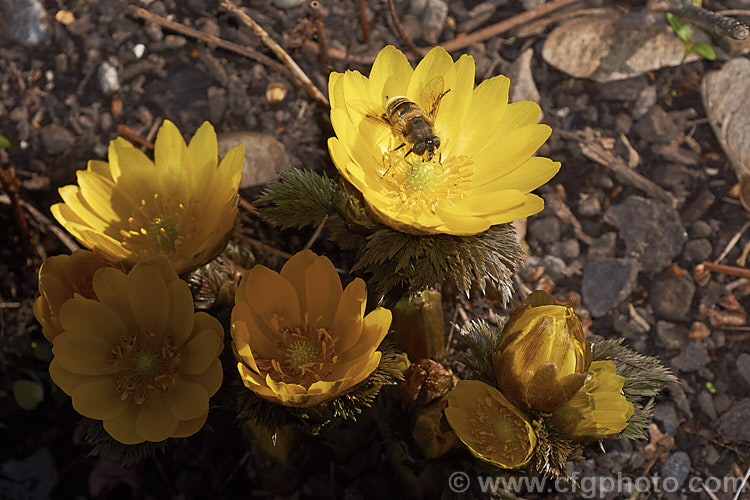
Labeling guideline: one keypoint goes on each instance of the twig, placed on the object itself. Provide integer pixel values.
(742, 486)
(268, 248)
(317, 232)
(363, 21)
(320, 30)
(43, 220)
(465, 40)
(300, 75)
(730, 270)
(131, 134)
(732, 242)
(562, 212)
(154, 128)
(409, 44)
(591, 148)
(723, 24)
(249, 207)
(11, 185)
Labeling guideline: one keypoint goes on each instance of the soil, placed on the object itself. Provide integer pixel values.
(627, 256)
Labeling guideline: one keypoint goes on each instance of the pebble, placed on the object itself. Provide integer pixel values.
(733, 424)
(699, 229)
(607, 282)
(28, 23)
(568, 249)
(722, 402)
(109, 78)
(265, 156)
(671, 295)
(697, 250)
(545, 229)
(665, 414)
(675, 470)
(554, 266)
(138, 50)
(56, 139)
(671, 335)
(706, 403)
(433, 20)
(743, 367)
(646, 100)
(603, 246)
(652, 231)
(656, 126)
(692, 358)
(626, 90)
(288, 4)
(589, 206)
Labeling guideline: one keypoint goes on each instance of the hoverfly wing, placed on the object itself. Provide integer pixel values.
(431, 95)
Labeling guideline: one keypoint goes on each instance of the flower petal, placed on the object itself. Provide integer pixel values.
(148, 298)
(268, 294)
(294, 270)
(187, 428)
(210, 379)
(199, 352)
(181, 312)
(347, 322)
(155, 422)
(187, 400)
(323, 291)
(98, 399)
(389, 76)
(122, 427)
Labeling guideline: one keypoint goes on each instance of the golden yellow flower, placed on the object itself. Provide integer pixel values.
(138, 357)
(599, 409)
(181, 205)
(60, 278)
(542, 357)
(300, 338)
(489, 425)
(483, 170)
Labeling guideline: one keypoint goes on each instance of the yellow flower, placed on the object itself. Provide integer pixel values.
(60, 278)
(299, 338)
(132, 209)
(138, 357)
(542, 357)
(599, 409)
(481, 174)
(489, 425)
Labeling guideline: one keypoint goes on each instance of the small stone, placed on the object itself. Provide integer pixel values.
(554, 266)
(645, 101)
(665, 414)
(433, 20)
(109, 78)
(711, 455)
(288, 4)
(706, 403)
(56, 139)
(602, 180)
(656, 126)
(28, 23)
(607, 282)
(603, 246)
(743, 367)
(138, 50)
(589, 206)
(722, 402)
(671, 295)
(699, 229)
(697, 250)
(692, 358)
(671, 335)
(545, 229)
(265, 156)
(675, 470)
(568, 249)
(733, 424)
(652, 231)
(626, 90)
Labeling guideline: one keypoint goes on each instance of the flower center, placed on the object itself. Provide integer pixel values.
(500, 432)
(422, 185)
(160, 226)
(144, 363)
(303, 354)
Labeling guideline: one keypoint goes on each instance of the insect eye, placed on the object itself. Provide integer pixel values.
(436, 141)
(420, 148)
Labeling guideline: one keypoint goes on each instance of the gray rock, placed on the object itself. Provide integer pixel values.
(706, 403)
(554, 266)
(656, 126)
(733, 424)
(743, 367)
(544, 229)
(109, 78)
(675, 470)
(56, 139)
(665, 414)
(568, 249)
(603, 246)
(28, 23)
(433, 19)
(671, 295)
(589, 206)
(645, 101)
(652, 231)
(623, 90)
(288, 4)
(33, 477)
(700, 229)
(265, 156)
(692, 358)
(607, 282)
(697, 250)
(722, 403)
(672, 336)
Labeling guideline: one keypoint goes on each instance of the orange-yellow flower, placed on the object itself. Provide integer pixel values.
(481, 174)
(299, 338)
(489, 425)
(542, 357)
(60, 278)
(182, 205)
(138, 357)
(599, 409)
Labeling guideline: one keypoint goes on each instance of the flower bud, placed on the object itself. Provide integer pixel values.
(542, 358)
(598, 410)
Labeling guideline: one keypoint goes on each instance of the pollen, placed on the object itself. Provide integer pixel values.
(144, 363)
(300, 353)
(422, 185)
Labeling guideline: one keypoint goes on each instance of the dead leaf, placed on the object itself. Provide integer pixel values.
(726, 97)
(523, 87)
(616, 46)
(658, 448)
